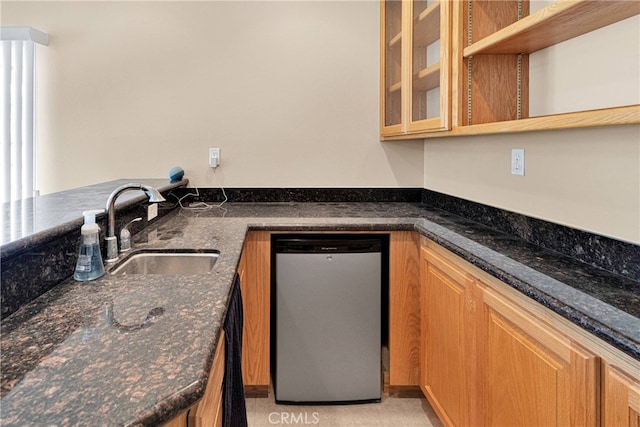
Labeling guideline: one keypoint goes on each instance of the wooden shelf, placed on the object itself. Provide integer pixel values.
(427, 78)
(395, 87)
(395, 40)
(605, 117)
(560, 21)
(618, 116)
(426, 26)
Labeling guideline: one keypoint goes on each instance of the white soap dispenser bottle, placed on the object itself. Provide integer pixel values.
(89, 265)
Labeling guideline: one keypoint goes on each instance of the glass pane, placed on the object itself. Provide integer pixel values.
(393, 72)
(433, 103)
(426, 60)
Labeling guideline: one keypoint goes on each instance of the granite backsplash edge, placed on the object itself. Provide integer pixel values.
(53, 259)
(599, 251)
(616, 256)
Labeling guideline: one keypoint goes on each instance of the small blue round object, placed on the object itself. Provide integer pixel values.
(176, 173)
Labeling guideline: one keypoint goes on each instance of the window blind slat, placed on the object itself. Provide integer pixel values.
(28, 123)
(18, 120)
(5, 157)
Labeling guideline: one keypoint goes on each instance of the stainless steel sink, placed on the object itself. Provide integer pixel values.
(168, 262)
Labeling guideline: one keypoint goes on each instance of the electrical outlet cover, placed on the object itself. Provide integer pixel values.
(152, 211)
(517, 161)
(214, 157)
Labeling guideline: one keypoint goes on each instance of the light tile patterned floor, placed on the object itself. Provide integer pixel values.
(391, 412)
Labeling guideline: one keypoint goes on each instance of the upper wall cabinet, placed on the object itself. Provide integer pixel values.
(415, 67)
(515, 65)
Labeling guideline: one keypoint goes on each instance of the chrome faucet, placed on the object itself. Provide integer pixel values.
(111, 240)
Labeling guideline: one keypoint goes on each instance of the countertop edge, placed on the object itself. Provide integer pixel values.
(15, 247)
(562, 305)
(551, 293)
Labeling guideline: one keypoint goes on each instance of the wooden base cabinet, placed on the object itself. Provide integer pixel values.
(530, 374)
(255, 285)
(208, 411)
(620, 398)
(404, 309)
(487, 360)
(447, 338)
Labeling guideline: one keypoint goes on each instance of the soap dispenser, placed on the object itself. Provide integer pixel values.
(89, 265)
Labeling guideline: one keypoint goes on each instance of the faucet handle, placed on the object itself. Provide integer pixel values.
(125, 236)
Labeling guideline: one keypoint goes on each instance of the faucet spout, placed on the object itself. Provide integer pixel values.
(153, 194)
(111, 240)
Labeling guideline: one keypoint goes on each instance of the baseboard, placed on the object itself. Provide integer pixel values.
(256, 391)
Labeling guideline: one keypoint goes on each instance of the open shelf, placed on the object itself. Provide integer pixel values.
(427, 25)
(427, 78)
(558, 22)
(582, 119)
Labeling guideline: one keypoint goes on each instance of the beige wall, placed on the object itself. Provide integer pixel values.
(288, 90)
(599, 69)
(585, 178)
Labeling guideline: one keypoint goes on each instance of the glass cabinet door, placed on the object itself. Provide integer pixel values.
(392, 70)
(430, 73)
(415, 66)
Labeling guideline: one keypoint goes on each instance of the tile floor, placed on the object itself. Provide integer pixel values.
(391, 412)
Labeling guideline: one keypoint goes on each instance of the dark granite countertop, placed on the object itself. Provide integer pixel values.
(64, 362)
(31, 221)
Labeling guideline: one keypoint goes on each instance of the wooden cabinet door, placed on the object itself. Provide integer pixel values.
(179, 421)
(620, 398)
(255, 285)
(529, 374)
(208, 411)
(404, 309)
(447, 339)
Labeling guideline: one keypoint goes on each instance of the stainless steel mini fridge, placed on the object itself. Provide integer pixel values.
(327, 298)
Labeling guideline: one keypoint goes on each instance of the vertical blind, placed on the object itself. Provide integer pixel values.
(17, 67)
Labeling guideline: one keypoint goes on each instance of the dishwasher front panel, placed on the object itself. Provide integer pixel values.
(328, 327)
